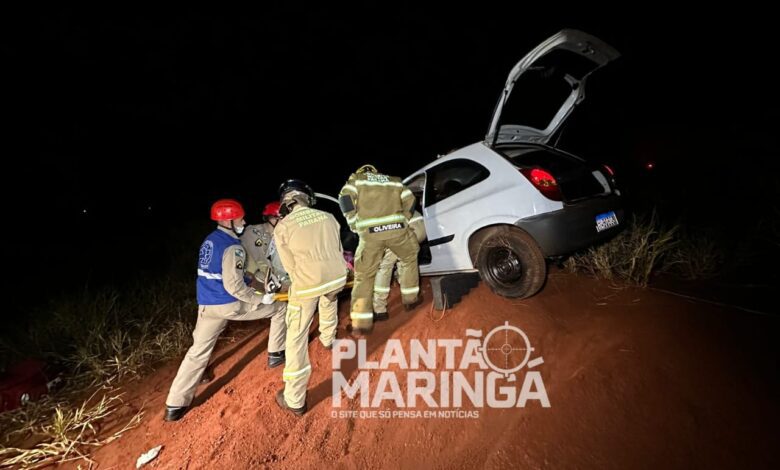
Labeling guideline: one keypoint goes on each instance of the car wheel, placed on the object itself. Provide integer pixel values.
(510, 262)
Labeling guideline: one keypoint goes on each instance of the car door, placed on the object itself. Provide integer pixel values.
(447, 204)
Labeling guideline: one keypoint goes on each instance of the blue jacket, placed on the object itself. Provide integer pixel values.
(210, 289)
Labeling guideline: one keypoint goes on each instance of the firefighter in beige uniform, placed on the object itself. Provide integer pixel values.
(309, 246)
(378, 208)
(258, 242)
(222, 295)
(384, 276)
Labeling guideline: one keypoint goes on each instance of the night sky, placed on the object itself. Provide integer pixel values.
(119, 111)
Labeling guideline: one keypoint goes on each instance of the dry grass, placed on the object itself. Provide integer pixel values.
(100, 339)
(646, 247)
(70, 432)
(696, 256)
(633, 255)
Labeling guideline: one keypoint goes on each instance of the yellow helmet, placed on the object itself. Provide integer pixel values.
(367, 169)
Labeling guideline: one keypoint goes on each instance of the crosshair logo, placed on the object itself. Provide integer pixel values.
(506, 349)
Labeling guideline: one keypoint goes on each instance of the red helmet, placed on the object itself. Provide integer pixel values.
(226, 209)
(271, 209)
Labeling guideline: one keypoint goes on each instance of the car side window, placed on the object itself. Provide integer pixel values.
(452, 177)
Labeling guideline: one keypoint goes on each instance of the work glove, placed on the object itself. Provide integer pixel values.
(268, 299)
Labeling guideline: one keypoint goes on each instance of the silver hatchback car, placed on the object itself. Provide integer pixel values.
(505, 205)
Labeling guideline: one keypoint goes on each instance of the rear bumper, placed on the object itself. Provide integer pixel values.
(574, 227)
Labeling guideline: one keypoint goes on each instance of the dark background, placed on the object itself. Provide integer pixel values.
(122, 126)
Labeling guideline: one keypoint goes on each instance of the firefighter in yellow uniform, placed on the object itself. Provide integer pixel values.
(310, 249)
(384, 276)
(378, 208)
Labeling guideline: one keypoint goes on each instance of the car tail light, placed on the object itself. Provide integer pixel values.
(609, 170)
(544, 182)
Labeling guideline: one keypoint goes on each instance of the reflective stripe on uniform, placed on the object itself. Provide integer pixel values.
(382, 290)
(207, 275)
(381, 220)
(327, 287)
(290, 374)
(361, 316)
(410, 290)
(328, 322)
(406, 193)
(415, 219)
(350, 188)
(377, 183)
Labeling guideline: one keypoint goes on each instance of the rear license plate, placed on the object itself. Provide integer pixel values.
(606, 221)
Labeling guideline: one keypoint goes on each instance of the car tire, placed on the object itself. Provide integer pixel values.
(510, 262)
